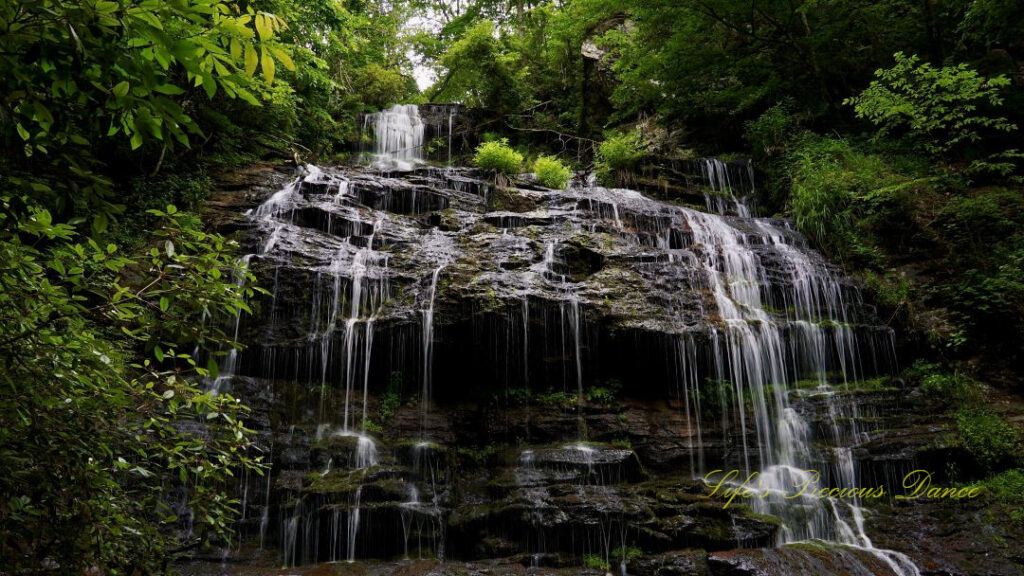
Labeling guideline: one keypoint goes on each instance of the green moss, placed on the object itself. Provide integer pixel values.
(336, 482)
(1006, 490)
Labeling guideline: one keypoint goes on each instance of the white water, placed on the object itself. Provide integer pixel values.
(723, 198)
(752, 356)
(347, 296)
(763, 343)
(353, 525)
(428, 344)
(397, 137)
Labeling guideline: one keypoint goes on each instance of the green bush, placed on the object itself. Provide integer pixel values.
(551, 172)
(595, 562)
(988, 437)
(770, 134)
(498, 158)
(889, 290)
(617, 156)
(518, 396)
(628, 553)
(842, 196)
(951, 388)
(937, 109)
(1007, 489)
(605, 394)
(563, 399)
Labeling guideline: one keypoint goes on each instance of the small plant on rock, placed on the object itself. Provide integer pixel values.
(618, 156)
(551, 172)
(595, 562)
(498, 158)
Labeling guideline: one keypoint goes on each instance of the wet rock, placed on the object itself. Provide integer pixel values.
(473, 372)
(808, 559)
(675, 563)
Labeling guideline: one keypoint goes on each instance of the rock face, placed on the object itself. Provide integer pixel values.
(447, 370)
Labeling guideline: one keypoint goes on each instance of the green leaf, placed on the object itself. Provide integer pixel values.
(121, 90)
(22, 132)
(251, 60)
(165, 303)
(247, 96)
(99, 223)
(268, 66)
(209, 85)
(159, 353)
(263, 27)
(169, 89)
(283, 58)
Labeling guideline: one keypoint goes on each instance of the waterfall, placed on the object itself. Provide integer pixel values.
(752, 327)
(428, 344)
(397, 137)
(451, 120)
(752, 356)
(353, 525)
(725, 196)
(573, 313)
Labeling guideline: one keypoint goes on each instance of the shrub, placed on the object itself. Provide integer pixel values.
(498, 158)
(595, 562)
(605, 394)
(890, 290)
(988, 437)
(563, 399)
(937, 108)
(842, 195)
(518, 396)
(628, 553)
(391, 399)
(617, 156)
(770, 134)
(551, 172)
(1007, 489)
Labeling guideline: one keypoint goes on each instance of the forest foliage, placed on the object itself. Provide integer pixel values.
(887, 129)
(113, 302)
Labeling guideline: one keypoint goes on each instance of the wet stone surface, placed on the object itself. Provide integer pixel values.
(448, 377)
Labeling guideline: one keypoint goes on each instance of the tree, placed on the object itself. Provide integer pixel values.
(481, 72)
(939, 109)
(94, 430)
(102, 412)
(74, 73)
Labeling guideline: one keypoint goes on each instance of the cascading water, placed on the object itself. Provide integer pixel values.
(555, 296)
(725, 196)
(752, 357)
(428, 342)
(398, 137)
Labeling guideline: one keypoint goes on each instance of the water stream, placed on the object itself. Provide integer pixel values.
(554, 296)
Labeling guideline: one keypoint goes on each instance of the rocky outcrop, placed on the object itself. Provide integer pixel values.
(445, 369)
